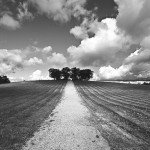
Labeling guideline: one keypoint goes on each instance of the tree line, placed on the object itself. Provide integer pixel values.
(4, 79)
(73, 74)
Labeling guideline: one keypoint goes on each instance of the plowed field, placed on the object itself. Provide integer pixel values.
(120, 111)
(43, 115)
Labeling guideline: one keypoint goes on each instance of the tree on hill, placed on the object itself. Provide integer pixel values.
(4, 79)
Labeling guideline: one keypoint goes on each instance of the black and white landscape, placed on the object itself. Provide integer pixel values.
(74, 74)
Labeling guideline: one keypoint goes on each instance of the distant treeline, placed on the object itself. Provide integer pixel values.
(73, 74)
(146, 83)
(4, 79)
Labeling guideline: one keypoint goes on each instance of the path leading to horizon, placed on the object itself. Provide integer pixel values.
(68, 127)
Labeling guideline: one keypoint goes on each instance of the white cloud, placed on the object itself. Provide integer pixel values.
(139, 56)
(13, 21)
(37, 75)
(36, 50)
(113, 42)
(47, 49)
(10, 60)
(61, 10)
(34, 61)
(136, 65)
(137, 27)
(57, 59)
(90, 25)
(13, 79)
(133, 18)
(101, 49)
(23, 12)
(146, 42)
(31, 50)
(79, 32)
(109, 72)
(140, 61)
(9, 22)
(95, 77)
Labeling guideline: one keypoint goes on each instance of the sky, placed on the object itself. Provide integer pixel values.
(111, 37)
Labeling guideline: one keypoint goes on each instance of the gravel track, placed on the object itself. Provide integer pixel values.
(69, 128)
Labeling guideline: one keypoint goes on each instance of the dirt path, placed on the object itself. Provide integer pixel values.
(68, 128)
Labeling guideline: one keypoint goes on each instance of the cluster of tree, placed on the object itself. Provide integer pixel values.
(4, 79)
(73, 74)
(146, 83)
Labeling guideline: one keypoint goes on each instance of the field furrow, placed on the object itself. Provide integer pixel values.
(115, 101)
(125, 95)
(123, 119)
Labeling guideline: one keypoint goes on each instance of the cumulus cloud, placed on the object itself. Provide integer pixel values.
(37, 50)
(14, 79)
(101, 49)
(10, 61)
(133, 18)
(57, 59)
(139, 56)
(95, 77)
(90, 25)
(37, 75)
(23, 12)
(108, 72)
(107, 44)
(46, 56)
(112, 43)
(79, 32)
(137, 27)
(34, 61)
(47, 49)
(61, 10)
(140, 61)
(136, 65)
(9, 22)
(13, 19)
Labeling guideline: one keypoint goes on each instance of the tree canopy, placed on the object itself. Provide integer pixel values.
(4, 79)
(65, 72)
(55, 73)
(73, 74)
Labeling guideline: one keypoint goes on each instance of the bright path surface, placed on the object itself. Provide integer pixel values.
(68, 128)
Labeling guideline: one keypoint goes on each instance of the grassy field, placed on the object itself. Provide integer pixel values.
(23, 107)
(120, 111)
